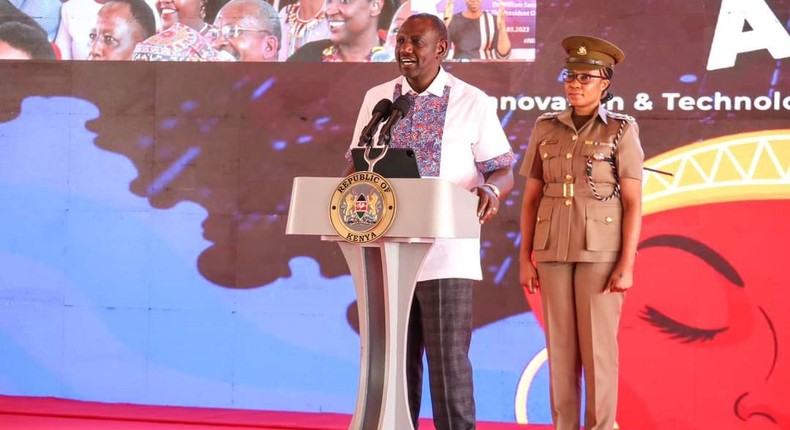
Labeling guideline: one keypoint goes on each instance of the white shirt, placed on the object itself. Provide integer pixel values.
(472, 133)
(77, 19)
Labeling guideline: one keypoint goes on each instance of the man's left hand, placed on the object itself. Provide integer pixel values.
(488, 205)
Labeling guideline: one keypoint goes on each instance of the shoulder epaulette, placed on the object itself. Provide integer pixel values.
(548, 115)
(621, 116)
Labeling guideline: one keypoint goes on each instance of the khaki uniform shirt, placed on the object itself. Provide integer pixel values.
(572, 224)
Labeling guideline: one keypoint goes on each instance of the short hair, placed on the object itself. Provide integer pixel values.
(142, 14)
(27, 39)
(265, 18)
(436, 23)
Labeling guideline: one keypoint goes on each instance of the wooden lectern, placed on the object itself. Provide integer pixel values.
(385, 273)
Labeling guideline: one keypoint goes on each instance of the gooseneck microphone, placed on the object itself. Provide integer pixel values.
(400, 107)
(380, 113)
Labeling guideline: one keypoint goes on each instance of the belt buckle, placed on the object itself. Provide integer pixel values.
(567, 190)
(567, 193)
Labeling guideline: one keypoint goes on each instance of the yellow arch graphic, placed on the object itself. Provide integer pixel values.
(747, 166)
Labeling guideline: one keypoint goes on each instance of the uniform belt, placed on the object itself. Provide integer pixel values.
(574, 189)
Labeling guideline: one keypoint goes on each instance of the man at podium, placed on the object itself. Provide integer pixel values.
(456, 135)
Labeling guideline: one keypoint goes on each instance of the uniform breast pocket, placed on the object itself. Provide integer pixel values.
(599, 162)
(549, 153)
(603, 226)
(542, 226)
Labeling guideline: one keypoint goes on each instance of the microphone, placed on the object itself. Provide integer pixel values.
(380, 112)
(400, 107)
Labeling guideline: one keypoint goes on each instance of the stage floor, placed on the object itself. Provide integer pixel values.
(46, 413)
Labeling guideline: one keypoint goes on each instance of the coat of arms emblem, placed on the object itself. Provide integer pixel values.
(362, 207)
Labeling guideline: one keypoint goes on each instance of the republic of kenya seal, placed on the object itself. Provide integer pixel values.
(362, 207)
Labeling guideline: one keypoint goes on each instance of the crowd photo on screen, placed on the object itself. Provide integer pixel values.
(256, 30)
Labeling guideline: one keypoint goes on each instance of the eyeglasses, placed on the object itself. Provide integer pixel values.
(583, 78)
(229, 31)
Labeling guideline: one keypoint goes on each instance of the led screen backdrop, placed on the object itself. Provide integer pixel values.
(263, 30)
(143, 207)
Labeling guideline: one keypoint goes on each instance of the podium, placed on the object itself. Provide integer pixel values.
(385, 273)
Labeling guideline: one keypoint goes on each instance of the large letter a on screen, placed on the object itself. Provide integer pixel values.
(730, 39)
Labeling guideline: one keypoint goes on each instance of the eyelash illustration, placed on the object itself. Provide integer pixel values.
(677, 330)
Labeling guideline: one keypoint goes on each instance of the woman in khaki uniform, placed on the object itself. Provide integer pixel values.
(580, 223)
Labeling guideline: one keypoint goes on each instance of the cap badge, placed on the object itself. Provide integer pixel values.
(581, 51)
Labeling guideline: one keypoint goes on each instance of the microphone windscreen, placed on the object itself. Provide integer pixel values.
(384, 107)
(403, 104)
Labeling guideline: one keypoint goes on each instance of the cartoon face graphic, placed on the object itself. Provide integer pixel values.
(703, 330)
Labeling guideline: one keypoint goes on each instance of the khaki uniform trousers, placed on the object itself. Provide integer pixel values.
(581, 331)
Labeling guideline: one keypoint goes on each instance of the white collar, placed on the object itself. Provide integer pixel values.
(436, 88)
